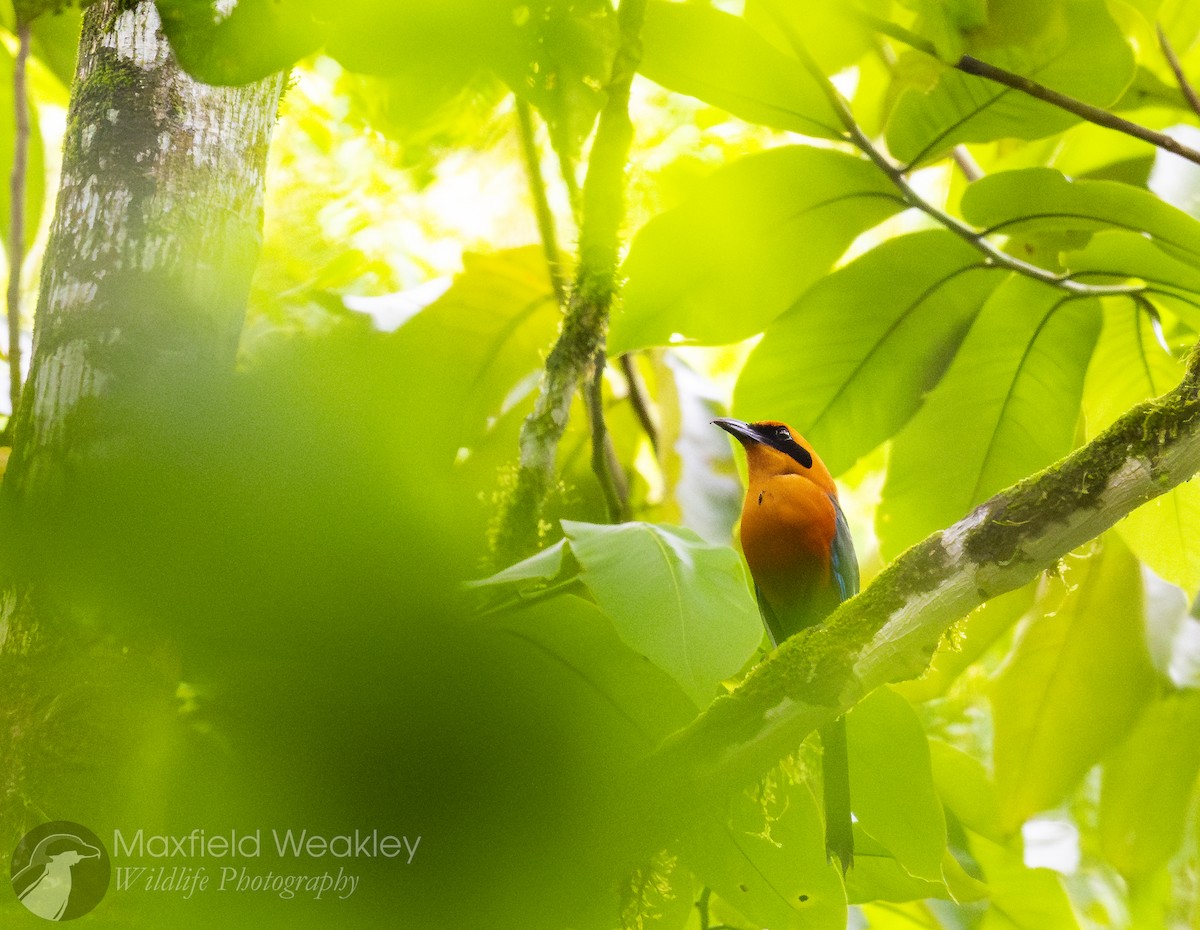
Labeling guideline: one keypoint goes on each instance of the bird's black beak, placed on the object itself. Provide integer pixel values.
(736, 428)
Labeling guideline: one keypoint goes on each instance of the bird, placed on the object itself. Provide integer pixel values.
(798, 547)
(44, 885)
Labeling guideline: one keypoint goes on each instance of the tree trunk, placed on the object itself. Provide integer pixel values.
(154, 239)
(155, 236)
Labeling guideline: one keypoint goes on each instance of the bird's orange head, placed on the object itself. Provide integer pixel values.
(774, 448)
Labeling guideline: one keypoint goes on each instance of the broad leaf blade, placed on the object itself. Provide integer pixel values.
(673, 597)
(1148, 786)
(1007, 407)
(884, 326)
(755, 235)
(500, 314)
(1021, 898)
(1083, 54)
(892, 784)
(1074, 686)
(767, 859)
(1042, 199)
(702, 52)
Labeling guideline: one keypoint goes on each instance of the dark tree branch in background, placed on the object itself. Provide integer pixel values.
(605, 464)
(541, 203)
(889, 632)
(1189, 91)
(1085, 111)
(639, 397)
(16, 224)
(579, 350)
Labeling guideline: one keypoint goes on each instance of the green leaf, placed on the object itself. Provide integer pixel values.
(966, 789)
(698, 51)
(767, 859)
(500, 315)
(257, 38)
(1007, 407)
(1121, 255)
(682, 602)
(877, 876)
(844, 39)
(1130, 366)
(531, 573)
(1043, 199)
(754, 236)
(1074, 685)
(443, 43)
(868, 342)
(1021, 898)
(1148, 785)
(56, 42)
(1081, 53)
(639, 698)
(892, 784)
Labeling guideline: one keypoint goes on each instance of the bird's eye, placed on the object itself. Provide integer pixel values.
(783, 434)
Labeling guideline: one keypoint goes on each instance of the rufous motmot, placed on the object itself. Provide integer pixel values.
(801, 556)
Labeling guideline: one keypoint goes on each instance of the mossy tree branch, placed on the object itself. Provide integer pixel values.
(889, 632)
(579, 352)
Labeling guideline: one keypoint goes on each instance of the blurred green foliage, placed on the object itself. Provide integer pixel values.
(257, 590)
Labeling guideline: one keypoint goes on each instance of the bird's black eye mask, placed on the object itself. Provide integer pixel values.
(779, 437)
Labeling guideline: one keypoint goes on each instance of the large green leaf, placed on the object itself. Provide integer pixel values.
(1148, 787)
(1042, 199)
(500, 314)
(966, 789)
(682, 602)
(1008, 406)
(767, 859)
(673, 597)
(842, 38)
(698, 51)
(852, 360)
(1081, 53)
(892, 784)
(1073, 687)
(1123, 255)
(1130, 366)
(558, 52)
(1021, 898)
(257, 38)
(754, 236)
(878, 876)
(639, 697)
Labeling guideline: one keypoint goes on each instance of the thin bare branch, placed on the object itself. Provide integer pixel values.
(1185, 86)
(968, 64)
(639, 397)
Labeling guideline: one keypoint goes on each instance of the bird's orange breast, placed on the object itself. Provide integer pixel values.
(788, 526)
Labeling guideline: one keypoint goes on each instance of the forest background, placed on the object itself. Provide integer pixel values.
(408, 515)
